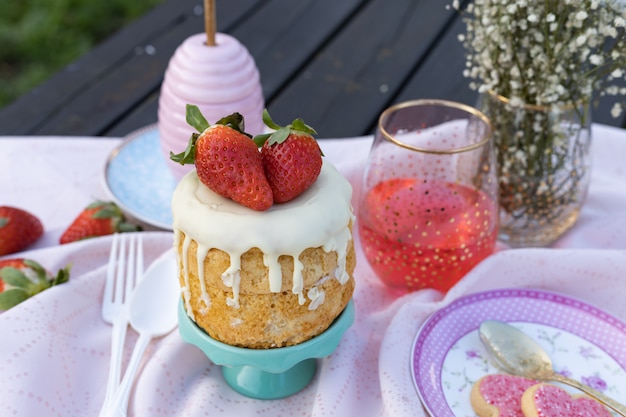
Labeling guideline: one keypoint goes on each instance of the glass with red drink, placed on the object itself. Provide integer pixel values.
(428, 210)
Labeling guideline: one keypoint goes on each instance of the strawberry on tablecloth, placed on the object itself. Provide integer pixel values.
(22, 278)
(18, 229)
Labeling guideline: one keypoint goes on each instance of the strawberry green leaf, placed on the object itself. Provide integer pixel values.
(260, 140)
(235, 121)
(96, 204)
(11, 298)
(107, 212)
(188, 156)
(281, 133)
(42, 275)
(299, 126)
(16, 278)
(194, 117)
(279, 136)
(34, 265)
(268, 121)
(62, 276)
(126, 227)
(3, 221)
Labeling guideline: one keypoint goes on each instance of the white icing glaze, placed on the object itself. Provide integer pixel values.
(317, 297)
(319, 217)
(185, 291)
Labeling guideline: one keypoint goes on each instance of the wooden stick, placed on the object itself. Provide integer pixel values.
(209, 22)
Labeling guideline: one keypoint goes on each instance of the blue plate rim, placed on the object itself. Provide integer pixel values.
(128, 139)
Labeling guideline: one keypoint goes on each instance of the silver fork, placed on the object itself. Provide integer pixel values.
(123, 273)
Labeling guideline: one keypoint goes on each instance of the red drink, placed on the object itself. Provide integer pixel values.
(426, 233)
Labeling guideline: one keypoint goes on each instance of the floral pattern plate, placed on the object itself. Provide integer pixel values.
(584, 342)
(138, 179)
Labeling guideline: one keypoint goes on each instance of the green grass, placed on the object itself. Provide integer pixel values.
(39, 37)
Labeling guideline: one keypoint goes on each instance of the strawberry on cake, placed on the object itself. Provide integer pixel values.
(263, 237)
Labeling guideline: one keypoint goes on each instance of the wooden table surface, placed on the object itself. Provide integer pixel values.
(335, 63)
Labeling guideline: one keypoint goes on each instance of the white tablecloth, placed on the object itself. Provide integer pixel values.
(54, 348)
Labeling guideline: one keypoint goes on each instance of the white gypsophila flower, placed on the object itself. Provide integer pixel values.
(612, 90)
(596, 59)
(609, 31)
(516, 102)
(520, 156)
(546, 57)
(581, 15)
(544, 51)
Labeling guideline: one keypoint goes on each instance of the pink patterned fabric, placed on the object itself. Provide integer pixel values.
(54, 348)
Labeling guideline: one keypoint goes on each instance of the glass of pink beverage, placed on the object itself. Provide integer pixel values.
(428, 209)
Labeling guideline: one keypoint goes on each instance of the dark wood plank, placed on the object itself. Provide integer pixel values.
(282, 43)
(142, 115)
(102, 86)
(355, 76)
(63, 86)
(440, 75)
(281, 35)
(336, 63)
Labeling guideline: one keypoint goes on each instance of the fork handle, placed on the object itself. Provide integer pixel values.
(118, 335)
(119, 406)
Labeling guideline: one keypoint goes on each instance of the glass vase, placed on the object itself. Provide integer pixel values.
(544, 168)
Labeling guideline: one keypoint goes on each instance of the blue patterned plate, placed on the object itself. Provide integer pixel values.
(138, 179)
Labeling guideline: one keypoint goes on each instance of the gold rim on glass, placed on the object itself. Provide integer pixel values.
(445, 103)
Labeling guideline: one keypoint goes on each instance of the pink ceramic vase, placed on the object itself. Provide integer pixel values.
(220, 80)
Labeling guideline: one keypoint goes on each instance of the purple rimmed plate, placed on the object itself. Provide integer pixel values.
(584, 342)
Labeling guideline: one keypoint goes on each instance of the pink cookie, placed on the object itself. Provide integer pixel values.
(499, 395)
(545, 400)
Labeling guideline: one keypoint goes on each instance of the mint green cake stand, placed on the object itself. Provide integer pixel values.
(267, 374)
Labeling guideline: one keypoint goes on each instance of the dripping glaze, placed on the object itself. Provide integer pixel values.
(320, 217)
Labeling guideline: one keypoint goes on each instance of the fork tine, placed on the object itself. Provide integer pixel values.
(139, 259)
(125, 269)
(110, 282)
(129, 284)
(121, 271)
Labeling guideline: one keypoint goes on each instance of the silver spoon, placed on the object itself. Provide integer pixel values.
(518, 354)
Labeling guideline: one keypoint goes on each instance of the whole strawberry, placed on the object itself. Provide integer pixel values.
(18, 229)
(291, 156)
(227, 160)
(100, 218)
(22, 278)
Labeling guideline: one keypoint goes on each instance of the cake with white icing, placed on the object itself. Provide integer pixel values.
(265, 279)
